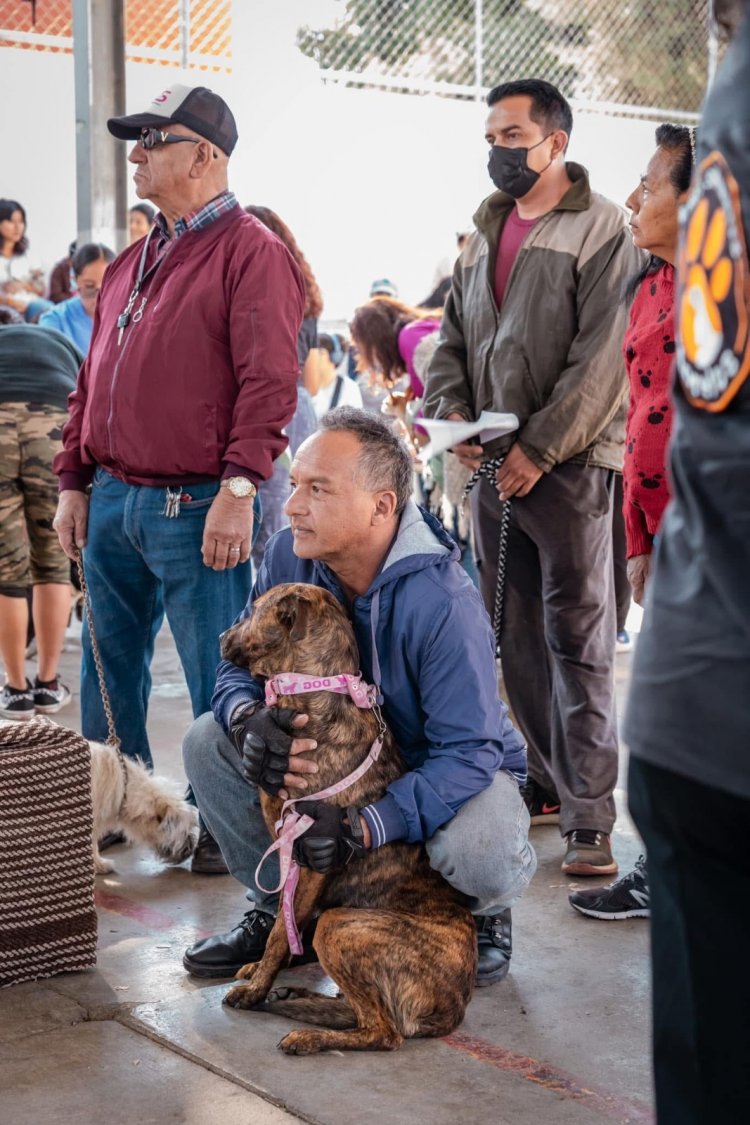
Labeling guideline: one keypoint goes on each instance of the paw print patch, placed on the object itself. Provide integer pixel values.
(657, 414)
(713, 342)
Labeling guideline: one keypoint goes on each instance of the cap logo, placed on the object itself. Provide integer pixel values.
(163, 97)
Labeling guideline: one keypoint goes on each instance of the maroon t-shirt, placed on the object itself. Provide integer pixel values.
(511, 237)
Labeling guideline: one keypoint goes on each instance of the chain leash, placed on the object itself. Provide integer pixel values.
(112, 737)
(488, 470)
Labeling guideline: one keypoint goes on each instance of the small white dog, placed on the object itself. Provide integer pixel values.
(153, 814)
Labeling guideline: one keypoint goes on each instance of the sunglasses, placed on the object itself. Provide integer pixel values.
(150, 138)
(88, 289)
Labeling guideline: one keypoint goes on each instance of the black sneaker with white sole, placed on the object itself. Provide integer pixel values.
(543, 806)
(50, 696)
(17, 703)
(627, 898)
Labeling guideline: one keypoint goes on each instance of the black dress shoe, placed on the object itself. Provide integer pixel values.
(224, 954)
(207, 858)
(495, 948)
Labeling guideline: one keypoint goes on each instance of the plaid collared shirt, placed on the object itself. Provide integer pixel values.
(197, 220)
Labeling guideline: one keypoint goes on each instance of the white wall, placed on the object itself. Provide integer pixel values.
(372, 184)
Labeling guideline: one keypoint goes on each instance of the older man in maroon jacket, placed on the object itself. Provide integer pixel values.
(178, 415)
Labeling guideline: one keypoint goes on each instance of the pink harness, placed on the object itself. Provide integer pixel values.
(292, 824)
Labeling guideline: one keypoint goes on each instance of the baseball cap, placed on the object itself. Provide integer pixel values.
(196, 107)
(383, 288)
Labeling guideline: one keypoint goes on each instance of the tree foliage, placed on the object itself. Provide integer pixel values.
(436, 39)
(626, 51)
(639, 53)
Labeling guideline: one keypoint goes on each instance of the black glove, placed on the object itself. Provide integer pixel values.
(263, 738)
(331, 841)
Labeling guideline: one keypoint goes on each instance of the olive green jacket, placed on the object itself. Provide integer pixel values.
(553, 353)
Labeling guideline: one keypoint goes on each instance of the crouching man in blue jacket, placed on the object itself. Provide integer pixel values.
(425, 638)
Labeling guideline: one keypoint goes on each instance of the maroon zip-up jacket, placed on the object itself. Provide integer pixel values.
(201, 387)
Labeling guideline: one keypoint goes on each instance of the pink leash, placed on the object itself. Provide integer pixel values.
(291, 824)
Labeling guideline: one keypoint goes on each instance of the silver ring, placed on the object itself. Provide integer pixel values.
(235, 549)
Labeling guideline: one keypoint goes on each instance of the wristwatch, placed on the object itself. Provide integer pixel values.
(242, 711)
(239, 487)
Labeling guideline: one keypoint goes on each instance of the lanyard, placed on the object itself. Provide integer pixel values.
(124, 318)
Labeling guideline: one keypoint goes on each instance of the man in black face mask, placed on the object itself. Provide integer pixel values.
(534, 325)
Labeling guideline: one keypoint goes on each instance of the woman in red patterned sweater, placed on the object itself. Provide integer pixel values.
(650, 345)
(649, 352)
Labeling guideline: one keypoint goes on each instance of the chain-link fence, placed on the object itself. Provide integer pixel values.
(637, 57)
(192, 34)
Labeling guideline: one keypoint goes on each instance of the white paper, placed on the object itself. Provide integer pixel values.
(444, 435)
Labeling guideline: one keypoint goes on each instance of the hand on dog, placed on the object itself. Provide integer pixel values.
(335, 839)
(270, 755)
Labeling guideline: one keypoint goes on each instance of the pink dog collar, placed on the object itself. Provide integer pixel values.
(299, 683)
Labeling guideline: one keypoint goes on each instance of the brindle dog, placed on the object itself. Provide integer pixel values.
(394, 936)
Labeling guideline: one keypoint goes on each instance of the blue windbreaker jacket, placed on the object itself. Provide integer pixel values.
(433, 658)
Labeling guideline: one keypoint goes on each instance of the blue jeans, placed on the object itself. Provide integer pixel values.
(139, 564)
(484, 851)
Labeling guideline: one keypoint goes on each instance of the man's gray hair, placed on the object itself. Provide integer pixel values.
(385, 462)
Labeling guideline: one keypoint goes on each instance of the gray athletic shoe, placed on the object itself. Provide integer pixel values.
(627, 898)
(588, 853)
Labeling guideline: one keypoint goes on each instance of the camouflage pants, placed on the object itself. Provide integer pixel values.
(30, 554)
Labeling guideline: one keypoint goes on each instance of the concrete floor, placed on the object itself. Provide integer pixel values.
(564, 1039)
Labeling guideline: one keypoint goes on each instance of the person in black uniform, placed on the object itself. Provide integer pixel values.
(688, 718)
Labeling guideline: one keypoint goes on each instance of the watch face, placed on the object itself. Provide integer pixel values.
(240, 486)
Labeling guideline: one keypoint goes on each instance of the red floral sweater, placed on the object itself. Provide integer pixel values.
(649, 348)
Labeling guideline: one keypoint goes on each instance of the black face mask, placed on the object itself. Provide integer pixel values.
(509, 170)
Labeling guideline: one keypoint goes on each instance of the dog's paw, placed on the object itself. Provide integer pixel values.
(293, 993)
(244, 996)
(247, 972)
(302, 1043)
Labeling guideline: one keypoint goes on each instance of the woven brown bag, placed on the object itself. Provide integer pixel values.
(47, 914)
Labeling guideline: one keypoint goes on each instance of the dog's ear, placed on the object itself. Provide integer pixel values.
(292, 614)
(231, 645)
(162, 809)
